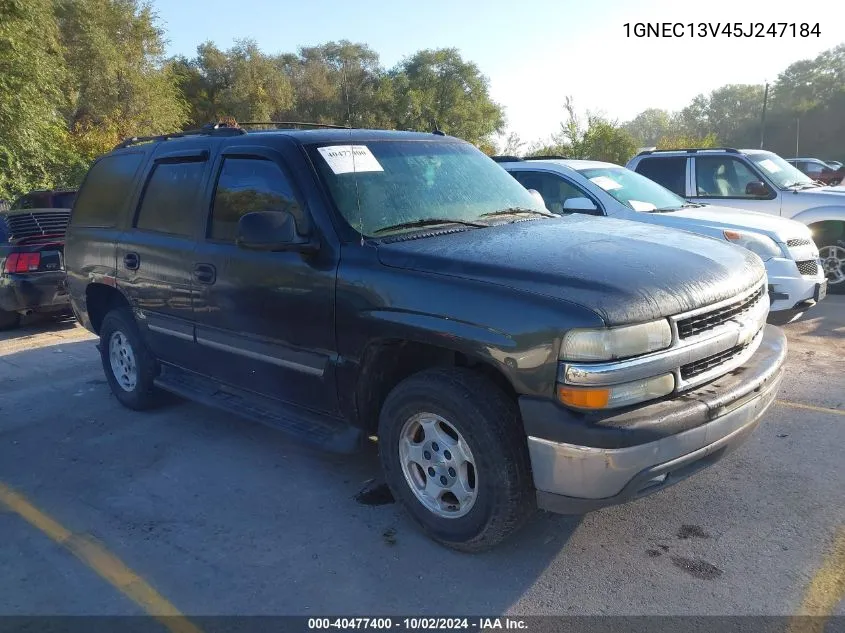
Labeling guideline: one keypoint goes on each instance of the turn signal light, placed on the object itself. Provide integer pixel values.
(22, 262)
(615, 396)
(584, 398)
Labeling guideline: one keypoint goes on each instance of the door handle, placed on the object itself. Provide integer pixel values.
(131, 261)
(205, 273)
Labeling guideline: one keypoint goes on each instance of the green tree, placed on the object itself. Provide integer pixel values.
(683, 141)
(34, 145)
(439, 87)
(650, 125)
(597, 139)
(116, 83)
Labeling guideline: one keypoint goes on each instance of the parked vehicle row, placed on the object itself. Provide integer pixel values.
(340, 284)
(828, 173)
(756, 180)
(795, 280)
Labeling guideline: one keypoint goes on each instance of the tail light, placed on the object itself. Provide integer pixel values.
(23, 262)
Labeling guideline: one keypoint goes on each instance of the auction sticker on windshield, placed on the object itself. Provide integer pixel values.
(608, 184)
(345, 159)
(769, 166)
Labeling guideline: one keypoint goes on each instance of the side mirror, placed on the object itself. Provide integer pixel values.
(271, 231)
(537, 196)
(579, 204)
(758, 189)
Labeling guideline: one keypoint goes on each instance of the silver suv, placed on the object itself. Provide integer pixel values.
(759, 181)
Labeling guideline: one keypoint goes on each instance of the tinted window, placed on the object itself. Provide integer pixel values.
(169, 202)
(723, 177)
(554, 189)
(103, 195)
(247, 185)
(669, 172)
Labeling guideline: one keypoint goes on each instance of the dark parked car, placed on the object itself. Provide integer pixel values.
(46, 199)
(340, 284)
(31, 263)
(818, 170)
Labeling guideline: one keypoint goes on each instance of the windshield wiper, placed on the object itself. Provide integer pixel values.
(426, 222)
(692, 205)
(803, 185)
(515, 211)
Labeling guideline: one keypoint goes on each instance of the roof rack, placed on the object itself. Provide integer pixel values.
(690, 150)
(546, 157)
(506, 159)
(297, 124)
(211, 129)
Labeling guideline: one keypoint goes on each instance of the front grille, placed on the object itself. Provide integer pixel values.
(709, 362)
(693, 325)
(798, 242)
(25, 226)
(808, 267)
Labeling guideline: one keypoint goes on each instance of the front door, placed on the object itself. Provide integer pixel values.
(264, 320)
(723, 180)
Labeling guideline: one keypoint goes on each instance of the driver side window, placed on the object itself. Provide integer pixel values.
(723, 177)
(555, 191)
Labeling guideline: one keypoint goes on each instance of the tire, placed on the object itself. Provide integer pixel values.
(9, 320)
(501, 487)
(138, 394)
(832, 255)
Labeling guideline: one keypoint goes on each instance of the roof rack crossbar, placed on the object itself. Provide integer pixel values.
(296, 124)
(207, 130)
(546, 157)
(506, 159)
(690, 150)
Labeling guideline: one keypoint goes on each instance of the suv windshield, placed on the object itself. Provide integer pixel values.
(633, 190)
(403, 185)
(778, 170)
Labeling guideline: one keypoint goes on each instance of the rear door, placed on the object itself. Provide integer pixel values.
(264, 320)
(669, 171)
(154, 255)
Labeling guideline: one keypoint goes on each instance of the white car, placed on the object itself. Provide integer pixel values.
(755, 180)
(796, 279)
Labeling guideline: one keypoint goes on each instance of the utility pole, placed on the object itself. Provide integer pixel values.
(797, 131)
(763, 122)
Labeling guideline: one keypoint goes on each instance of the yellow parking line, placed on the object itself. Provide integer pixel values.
(825, 591)
(106, 564)
(810, 407)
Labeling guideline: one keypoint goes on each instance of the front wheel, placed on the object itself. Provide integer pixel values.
(130, 368)
(454, 453)
(833, 262)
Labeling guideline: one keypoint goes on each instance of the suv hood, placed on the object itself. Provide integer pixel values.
(721, 218)
(626, 272)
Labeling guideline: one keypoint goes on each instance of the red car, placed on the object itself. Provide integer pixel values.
(819, 170)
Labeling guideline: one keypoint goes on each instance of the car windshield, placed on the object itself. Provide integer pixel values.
(381, 187)
(779, 171)
(633, 190)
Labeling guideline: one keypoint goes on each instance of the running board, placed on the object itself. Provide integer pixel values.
(329, 434)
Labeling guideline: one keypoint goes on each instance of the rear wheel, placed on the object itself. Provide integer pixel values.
(454, 453)
(833, 261)
(130, 368)
(9, 320)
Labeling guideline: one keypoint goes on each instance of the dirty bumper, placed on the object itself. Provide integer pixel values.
(582, 462)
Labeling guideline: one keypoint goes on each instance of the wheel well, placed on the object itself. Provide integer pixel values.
(827, 233)
(99, 299)
(387, 363)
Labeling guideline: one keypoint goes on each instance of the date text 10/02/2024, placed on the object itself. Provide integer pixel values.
(721, 29)
(419, 624)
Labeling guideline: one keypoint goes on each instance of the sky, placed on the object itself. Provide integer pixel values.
(535, 53)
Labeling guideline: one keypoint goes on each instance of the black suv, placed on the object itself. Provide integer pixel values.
(341, 284)
(32, 234)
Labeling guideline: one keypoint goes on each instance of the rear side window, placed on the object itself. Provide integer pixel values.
(103, 196)
(246, 185)
(169, 201)
(669, 172)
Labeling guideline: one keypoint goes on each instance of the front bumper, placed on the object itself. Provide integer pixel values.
(38, 292)
(790, 292)
(585, 461)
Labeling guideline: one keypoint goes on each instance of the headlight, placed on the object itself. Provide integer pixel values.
(616, 395)
(616, 343)
(762, 245)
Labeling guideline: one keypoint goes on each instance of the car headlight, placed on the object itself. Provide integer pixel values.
(616, 343)
(762, 245)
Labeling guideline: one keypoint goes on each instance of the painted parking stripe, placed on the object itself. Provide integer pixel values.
(825, 590)
(810, 407)
(98, 558)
